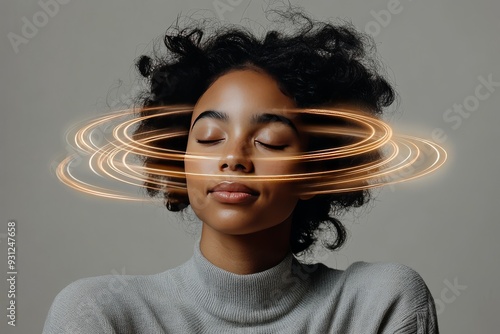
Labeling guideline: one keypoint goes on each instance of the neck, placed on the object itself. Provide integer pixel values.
(248, 253)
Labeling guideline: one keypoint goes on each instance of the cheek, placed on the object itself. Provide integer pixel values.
(284, 194)
(194, 184)
(197, 184)
(197, 162)
(281, 166)
(282, 204)
(196, 191)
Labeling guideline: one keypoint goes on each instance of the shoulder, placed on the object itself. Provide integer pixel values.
(102, 304)
(397, 291)
(383, 277)
(100, 290)
(392, 283)
(396, 278)
(391, 297)
(83, 305)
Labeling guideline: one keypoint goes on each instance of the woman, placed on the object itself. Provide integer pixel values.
(243, 276)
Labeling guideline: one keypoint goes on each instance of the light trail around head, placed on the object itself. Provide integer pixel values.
(116, 159)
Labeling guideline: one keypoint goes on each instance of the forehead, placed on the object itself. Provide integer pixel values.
(243, 93)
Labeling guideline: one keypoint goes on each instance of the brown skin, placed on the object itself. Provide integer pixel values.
(252, 234)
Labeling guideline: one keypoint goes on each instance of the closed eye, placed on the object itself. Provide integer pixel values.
(212, 141)
(273, 147)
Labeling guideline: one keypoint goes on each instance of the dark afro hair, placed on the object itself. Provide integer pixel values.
(318, 64)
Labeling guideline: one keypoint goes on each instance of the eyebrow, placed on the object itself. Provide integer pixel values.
(211, 114)
(265, 118)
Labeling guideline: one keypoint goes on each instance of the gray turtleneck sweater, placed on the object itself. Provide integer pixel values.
(198, 297)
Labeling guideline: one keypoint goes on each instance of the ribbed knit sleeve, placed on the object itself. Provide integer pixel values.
(76, 310)
(424, 320)
(408, 303)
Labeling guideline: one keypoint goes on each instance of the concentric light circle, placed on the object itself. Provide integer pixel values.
(111, 153)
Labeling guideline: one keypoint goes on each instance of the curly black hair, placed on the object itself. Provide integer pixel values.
(320, 64)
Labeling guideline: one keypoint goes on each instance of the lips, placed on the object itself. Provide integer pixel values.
(232, 193)
(227, 186)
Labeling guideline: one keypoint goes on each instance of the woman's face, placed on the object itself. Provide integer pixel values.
(233, 124)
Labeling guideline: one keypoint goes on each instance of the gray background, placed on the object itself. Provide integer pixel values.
(444, 226)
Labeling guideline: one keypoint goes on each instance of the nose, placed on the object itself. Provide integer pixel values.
(236, 158)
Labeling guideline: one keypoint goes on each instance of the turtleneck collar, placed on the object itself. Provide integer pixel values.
(252, 298)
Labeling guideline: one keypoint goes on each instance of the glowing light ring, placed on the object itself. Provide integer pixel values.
(110, 160)
(375, 126)
(65, 176)
(441, 157)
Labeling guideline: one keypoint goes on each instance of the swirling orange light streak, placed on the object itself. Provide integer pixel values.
(110, 160)
(65, 176)
(371, 123)
(437, 162)
(87, 129)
